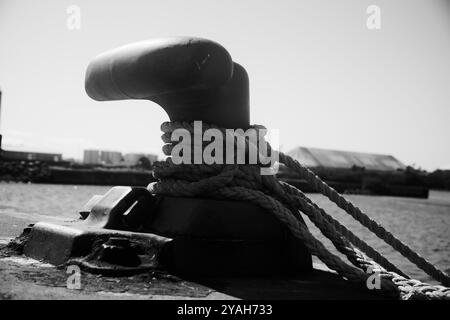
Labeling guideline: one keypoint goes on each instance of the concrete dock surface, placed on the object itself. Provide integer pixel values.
(25, 278)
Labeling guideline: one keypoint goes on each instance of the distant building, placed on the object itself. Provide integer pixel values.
(102, 157)
(132, 159)
(30, 156)
(110, 157)
(314, 157)
(91, 157)
(115, 157)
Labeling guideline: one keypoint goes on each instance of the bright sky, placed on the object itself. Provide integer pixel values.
(317, 73)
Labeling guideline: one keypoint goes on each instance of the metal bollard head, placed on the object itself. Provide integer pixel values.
(190, 78)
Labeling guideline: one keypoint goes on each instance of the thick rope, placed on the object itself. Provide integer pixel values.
(244, 182)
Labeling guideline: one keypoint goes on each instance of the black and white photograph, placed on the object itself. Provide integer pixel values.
(218, 157)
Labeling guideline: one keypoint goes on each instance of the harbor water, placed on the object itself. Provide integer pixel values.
(423, 224)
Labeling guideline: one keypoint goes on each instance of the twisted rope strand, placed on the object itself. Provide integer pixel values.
(249, 177)
(287, 193)
(242, 182)
(282, 213)
(361, 217)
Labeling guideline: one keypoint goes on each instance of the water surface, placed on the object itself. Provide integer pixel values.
(423, 224)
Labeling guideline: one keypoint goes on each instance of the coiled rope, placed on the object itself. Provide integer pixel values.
(245, 183)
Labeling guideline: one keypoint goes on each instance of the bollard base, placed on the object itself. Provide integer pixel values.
(57, 244)
(128, 230)
(90, 248)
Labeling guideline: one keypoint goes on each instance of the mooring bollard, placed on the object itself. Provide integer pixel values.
(192, 79)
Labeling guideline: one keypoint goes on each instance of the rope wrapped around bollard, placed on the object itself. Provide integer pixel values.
(245, 183)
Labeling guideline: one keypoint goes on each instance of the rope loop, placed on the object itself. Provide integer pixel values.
(244, 182)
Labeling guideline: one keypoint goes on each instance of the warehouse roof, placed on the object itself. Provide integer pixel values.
(315, 157)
